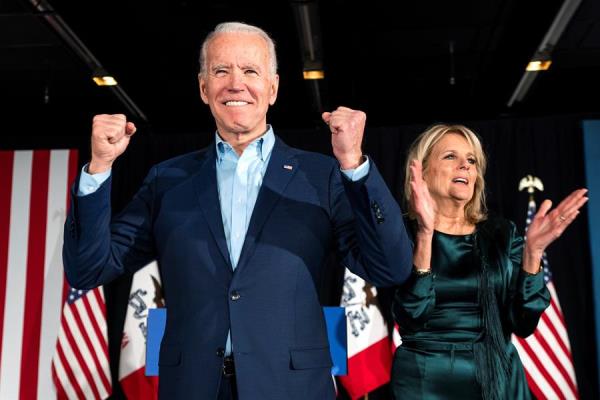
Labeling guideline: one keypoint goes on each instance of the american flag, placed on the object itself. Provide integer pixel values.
(546, 354)
(80, 367)
(34, 196)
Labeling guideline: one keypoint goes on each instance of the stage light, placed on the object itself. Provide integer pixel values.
(314, 74)
(538, 65)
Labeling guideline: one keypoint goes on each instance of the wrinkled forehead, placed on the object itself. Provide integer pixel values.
(250, 46)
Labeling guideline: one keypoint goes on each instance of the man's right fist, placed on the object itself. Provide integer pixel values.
(110, 137)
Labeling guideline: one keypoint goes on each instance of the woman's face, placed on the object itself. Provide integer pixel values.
(451, 170)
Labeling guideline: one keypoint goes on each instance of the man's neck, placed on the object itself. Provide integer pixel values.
(239, 141)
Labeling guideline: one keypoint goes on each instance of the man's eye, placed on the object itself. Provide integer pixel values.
(220, 72)
(251, 72)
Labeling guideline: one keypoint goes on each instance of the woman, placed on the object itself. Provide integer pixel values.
(475, 280)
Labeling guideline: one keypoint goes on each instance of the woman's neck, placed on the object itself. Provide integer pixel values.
(452, 220)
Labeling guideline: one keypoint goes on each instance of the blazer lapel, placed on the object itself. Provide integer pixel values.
(206, 186)
(282, 167)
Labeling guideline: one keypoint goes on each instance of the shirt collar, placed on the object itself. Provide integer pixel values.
(264, 145)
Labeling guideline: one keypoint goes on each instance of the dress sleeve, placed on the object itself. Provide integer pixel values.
(414, 302)
(528, 295)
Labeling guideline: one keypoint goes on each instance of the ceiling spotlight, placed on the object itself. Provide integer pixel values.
(105, 80)
(314, 74)
(538, 65)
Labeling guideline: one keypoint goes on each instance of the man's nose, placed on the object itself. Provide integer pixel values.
(236, 81)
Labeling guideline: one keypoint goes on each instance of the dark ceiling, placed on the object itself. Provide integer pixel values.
(391, 59)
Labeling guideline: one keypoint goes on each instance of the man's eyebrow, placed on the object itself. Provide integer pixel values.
(250, 65)
(218, 66)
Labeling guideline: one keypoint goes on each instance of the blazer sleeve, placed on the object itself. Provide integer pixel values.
(369, 229)
(96, 251)
(528, 295)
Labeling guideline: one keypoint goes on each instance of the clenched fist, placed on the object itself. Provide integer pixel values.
(347, 127)
(110, 137)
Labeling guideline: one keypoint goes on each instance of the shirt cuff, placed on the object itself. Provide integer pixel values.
(88, 184)
(359, 172)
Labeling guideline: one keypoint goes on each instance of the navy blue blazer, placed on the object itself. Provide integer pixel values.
(305, 208)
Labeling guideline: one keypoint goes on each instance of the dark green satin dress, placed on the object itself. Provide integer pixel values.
(440, 316)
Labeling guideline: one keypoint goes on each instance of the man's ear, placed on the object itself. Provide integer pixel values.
(203, 89)
(274, 89)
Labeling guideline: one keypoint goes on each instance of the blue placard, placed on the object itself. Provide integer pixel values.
(335, 318)
(157, 317)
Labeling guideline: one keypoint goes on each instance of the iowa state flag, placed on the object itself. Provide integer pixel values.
(369, 355)
(146, 293)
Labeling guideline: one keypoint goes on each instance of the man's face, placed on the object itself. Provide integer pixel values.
(238, 85)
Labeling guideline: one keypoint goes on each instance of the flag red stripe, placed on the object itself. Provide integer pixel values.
(557, 310)
(72, 174)
(552, 355)
(100, 301)
(38, 211)
(372, 365)
(89, 345)
(552, 329)
(95, 326)
(61, 394)
(76, 347)
(6, 177)
(533, 386)
(70, 376)
(535, 358)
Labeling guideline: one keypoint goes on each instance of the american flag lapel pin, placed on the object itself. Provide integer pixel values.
(288, 167)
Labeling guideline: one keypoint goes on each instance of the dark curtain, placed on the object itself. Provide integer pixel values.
(550, 148)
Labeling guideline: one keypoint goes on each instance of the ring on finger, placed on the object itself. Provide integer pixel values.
(562, 218)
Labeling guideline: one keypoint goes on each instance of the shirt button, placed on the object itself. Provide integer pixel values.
(235, 295)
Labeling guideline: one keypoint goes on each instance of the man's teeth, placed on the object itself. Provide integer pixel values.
(236, 103)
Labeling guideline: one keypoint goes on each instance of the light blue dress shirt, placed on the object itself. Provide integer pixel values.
(239, 179)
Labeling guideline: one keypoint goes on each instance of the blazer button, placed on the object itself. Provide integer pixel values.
(235, 295)
(220, 352)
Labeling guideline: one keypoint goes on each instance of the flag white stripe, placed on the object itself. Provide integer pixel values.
(64, 379)
(53, 270)
(553, 294)
(72, 360)
(530, 367)
(555, 374)
(10, 365)
(558, 351)
(97, 313)
(84, 350)
(91, 333)
(560, 328)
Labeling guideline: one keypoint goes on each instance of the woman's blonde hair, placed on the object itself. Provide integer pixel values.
(475, 209)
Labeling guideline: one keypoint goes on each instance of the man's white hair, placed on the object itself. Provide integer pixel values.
(238, 27)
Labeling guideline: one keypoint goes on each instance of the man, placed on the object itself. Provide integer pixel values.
(241, 231)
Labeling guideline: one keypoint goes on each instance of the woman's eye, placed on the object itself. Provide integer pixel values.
(472, 161)
(449, 157)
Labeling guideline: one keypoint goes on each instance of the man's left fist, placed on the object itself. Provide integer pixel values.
(347, 127)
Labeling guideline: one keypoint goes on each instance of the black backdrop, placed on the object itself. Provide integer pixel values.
(550, 148)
